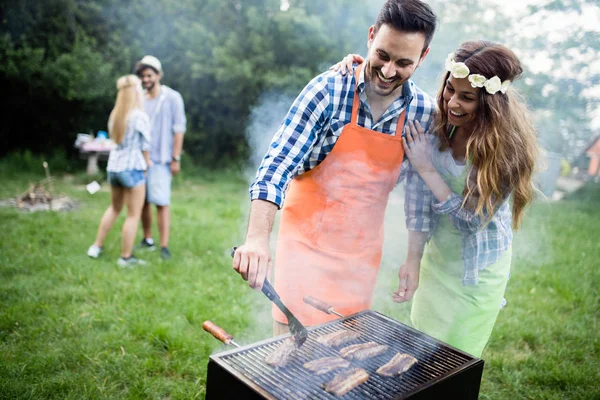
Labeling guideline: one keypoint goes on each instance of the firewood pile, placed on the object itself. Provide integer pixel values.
(40, 197)
(36, 194)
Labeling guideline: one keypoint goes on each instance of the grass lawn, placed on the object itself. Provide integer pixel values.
(72, 327)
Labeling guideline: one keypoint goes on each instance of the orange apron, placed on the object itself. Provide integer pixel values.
(331, 228)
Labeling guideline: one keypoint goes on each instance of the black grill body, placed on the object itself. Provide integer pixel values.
(442, 371)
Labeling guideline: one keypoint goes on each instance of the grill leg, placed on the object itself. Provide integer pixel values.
(221, 385)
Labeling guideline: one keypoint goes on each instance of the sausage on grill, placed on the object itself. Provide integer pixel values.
(346, 381)
(326, 364)
(362, 351)
(399, 364)
(338, 338)
(280, 356)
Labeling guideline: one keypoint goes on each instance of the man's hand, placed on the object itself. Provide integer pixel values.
(148, 165)
(408, 281)
(175, 167)
(252, 260)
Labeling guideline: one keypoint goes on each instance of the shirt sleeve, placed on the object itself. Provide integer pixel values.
(142, 126)
(417, 195)
(292, 143)
(422, 109)
(179, 119)
(417, 201)
(463, 219)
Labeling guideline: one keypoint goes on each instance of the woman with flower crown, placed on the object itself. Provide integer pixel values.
(478, 164)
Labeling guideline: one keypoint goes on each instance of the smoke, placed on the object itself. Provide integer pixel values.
(394, 253)
(265, 119)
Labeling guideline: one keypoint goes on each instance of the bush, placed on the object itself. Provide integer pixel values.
(26, 162)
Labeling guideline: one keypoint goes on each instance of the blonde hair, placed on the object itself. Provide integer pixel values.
(502, 147)
(129, 97)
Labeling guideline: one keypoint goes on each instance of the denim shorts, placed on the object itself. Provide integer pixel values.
(158, 190)
(127, 179)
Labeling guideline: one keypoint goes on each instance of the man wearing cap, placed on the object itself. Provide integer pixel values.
(165, 108)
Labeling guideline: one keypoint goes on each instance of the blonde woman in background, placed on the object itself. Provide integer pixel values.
(129, 128)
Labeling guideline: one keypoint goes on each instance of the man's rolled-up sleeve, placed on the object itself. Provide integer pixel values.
(292, 144)
(417, 201)
(179, 119)
(142, 126)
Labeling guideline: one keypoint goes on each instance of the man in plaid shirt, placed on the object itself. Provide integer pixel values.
(333, 166)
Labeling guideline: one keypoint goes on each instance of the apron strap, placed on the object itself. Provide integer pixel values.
(356, 99)
(356, 102)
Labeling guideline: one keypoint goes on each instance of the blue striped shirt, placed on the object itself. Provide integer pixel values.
(167, 117)
(313, 125)
(127, 155)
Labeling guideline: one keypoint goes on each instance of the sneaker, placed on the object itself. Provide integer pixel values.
(94, 251)
(129, 262)
(164, 253)
(147, 244)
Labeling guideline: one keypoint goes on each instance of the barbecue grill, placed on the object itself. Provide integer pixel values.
(442, 371)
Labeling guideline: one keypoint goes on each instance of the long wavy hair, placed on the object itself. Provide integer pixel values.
(129, 97)
(502, 147)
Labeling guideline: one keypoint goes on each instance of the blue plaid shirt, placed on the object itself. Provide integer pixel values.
(313, 125)
(482, 244)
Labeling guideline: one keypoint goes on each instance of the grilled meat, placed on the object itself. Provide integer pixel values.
(346, 381)
(399, 364)
(326, 364)
(362, 351)
(338, 338)
(280, 356)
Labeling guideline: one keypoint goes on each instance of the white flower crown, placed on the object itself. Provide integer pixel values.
(460, 70)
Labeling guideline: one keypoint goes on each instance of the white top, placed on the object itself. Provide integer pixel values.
(128, 154)
(444, 162)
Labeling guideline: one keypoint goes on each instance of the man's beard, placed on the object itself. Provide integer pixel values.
(375, 83)
(150, 87)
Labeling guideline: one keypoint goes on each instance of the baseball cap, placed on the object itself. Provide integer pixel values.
(149, 61)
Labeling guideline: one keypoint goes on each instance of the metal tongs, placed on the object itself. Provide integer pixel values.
(298, 331)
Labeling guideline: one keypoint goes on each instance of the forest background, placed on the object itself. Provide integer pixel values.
(239, 64)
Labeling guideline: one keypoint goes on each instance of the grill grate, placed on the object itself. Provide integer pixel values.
(436, 361)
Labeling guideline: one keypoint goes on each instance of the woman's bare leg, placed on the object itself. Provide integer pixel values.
(117, 195)
(135, 198)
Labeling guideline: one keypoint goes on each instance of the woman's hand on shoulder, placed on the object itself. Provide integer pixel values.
(346, 64)
(418, 147)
